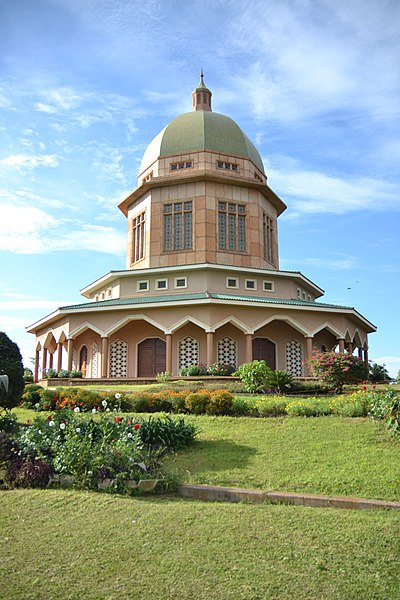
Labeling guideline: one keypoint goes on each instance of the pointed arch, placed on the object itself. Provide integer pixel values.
(122, 322)
(289, 320)
(185, 321)
(329, 327)
(233, 321)
(83, 327)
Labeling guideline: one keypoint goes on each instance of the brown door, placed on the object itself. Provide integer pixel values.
(264, 349)
(151, 357)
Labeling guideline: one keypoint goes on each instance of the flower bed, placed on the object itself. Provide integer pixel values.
(120, 449)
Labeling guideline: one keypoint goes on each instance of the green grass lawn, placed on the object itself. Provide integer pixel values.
(81, 545)
(324, 455)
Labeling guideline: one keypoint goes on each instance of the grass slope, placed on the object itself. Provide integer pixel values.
(65, 544)
(325, 455)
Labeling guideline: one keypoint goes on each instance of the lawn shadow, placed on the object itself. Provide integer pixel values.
(212, 455)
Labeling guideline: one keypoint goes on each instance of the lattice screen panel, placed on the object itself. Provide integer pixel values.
(119, 359)
(188, 352)
(227, 351)
(294, 358)
(95, 360)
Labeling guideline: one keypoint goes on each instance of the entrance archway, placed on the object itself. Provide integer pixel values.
(83, 359)
(264, 349)
(151, 357)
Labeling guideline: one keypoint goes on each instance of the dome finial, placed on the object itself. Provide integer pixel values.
(201, 97)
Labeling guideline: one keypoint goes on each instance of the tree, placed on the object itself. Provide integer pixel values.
(11, 365)
(378, 372)
(336, 369)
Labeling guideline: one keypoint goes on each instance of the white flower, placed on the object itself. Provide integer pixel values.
(107, 410)
(78, 430)
(94, 411)
(40, 431)
(104, 403)
(129, 435)
(117, 396)
(37, 405)
(51, 423)
(76, 409)
(62, 425)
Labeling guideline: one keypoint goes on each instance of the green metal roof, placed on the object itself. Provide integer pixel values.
(120, 302)
(201, 130)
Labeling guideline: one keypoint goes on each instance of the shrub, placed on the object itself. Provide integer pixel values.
(243, 406)
(50, 374)
(32, 473)
(254, 375)
(63, 373)
(279, 381)
(271, 406)
(163, 377)
(337, 369)
(75, 374)
(32, 395)
(386, 406)
(11, 365)
(197, 402)
(311, 407)
(223, 370)
(193, 371)
(351, 405)
(166, 432)
(220, 403)
(8, 423)
(28, 375)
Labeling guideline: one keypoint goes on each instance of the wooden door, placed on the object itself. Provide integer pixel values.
(151, 357)
(264, 349)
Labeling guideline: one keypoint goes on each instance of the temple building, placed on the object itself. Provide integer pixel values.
(202, 282)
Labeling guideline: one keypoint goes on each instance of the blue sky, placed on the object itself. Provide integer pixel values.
(86, 84)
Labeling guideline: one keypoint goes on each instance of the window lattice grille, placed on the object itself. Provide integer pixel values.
(119, 359)
(227, 351)
(95, 360)
(294, 358)
(188, 352)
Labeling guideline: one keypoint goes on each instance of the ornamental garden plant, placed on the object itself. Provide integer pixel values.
(117, 448)
(337, 369)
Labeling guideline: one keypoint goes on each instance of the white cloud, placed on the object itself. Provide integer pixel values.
(392, 364)
(10, 323)
(342, 263)
(23, 162)
(46, 108)
(30, 230)
(317, 192)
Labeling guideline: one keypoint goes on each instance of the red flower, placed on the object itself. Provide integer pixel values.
(56, 397)
(49, 418)
(130, 421)
(98, 408)
(136, 426)
(364, 387)
(373, 387)
(118, 419)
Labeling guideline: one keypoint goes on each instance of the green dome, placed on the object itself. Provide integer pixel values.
(201, 130)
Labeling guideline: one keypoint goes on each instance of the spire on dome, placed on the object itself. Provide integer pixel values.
(201, 96)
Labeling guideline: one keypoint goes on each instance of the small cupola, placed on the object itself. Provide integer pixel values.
(201, 96)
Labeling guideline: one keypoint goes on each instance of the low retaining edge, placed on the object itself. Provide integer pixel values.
(223, 494)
